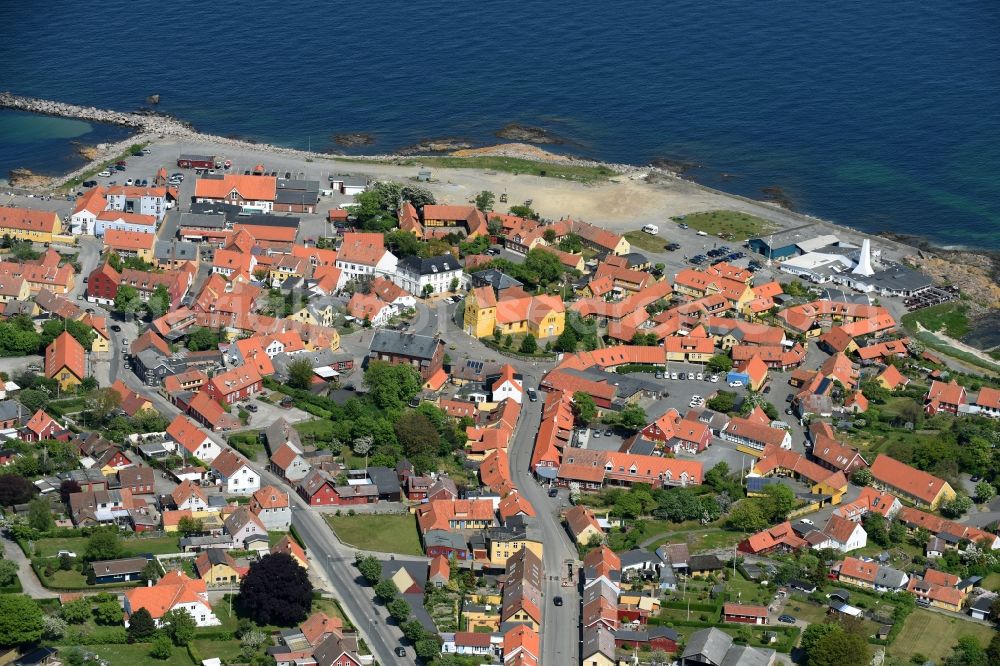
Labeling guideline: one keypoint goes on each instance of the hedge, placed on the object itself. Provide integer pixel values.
(193, 653)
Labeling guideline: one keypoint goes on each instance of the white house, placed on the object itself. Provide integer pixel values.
(142, 200)
(841, 534)
(415, 274)
(175, 590)
(472, 643)
(271, 506)
(363, 255)
(88, 207)
(234, 474)
(189, 496)
(193, 439)
(243, 524)
(135, 222)
(506, 386)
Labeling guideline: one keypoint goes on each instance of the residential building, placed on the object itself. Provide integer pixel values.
(714, 647)
(582, 525)
(175, 590)
(189, 437)
(272, 507)
(235, 474)
(255, 194)
(244, 527)
(66, 361)
(363, 256)
(234, 385)
(217, 567)
(130, 244)
(118, 571)
(422, 352)
(152, 201)
(38, 226)
(921, 488)
(426, 277)
(515, 313)
(744, 613)
(945, 397)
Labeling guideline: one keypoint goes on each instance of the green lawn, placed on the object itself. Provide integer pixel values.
(321, 429)
(991, 582)
(386, 534)
(644, 241)
(950, 316)
(933, 635)
(728, 224)
(584, 174)
(138, 653)
(135, 546)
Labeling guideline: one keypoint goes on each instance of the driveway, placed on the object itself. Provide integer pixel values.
(29, 581)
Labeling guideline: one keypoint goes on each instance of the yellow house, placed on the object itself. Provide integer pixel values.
(31, 225)
(13, 289)
(102, 339)
(130, 244)
(504, 544)
(480, 312)
(317, 313)
(583, 525)
(217, 567)
(65, 361)
(484, 613)
(289, 266)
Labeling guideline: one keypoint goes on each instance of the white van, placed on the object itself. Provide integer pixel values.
(702, 233)
(651, 229)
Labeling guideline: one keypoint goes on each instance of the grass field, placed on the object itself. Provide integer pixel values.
(386, 534)
(321, 429)
(138, 653)
(933, 635)
(584, 174)
(644, 241)
(728, 224)
(991, 582)
(951, 316)
(155, 545)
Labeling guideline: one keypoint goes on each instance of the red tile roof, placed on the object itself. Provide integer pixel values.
(65, 352)
(908, 480)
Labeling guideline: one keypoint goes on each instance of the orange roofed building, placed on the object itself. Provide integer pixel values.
(909, 483)
(65, 361)
(253, 192)
(174, 591)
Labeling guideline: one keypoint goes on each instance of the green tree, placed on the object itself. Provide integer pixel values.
(724, 401)
(179, 625)
(586, 408)
(862, 476)
(839, 648)
(399, 610)
(427, 648)
(747, 516)
(20, 620)
(108, 612)
(390, 386)
(418, 436)
(633, 418)
(403, 243)
(40, 515)
(15, 489)
(529, 345)
(140, 626)
(567, 340)
(813, 633)
(427, 290)
(189, 526)
(523, 210)
(985, 492)
(571, 243)
(957, 507)
(778, 502)
(103, 402)
(76, 611)
(202, 338)
(369, 567)
(53, 328)
(485, 201)
(508, 341)
(386, 590)
(300, 374)
(159, 302)
(127, 300)
(161, 648)
(8, 573)
(54, 627)
(276, 590)
(103, 545)
(720, 363)
(875, 392)
(413, 630)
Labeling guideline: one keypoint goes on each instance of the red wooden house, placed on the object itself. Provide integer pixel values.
(744, 613)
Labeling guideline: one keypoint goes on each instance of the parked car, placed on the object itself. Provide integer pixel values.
(608, 432)
(558, 601)
(700, 377)
(787, 619)
(736, 383)
(90, 183)
(553, 492)
(67, 553)
(597, 434)
(251, 407)
(104, 174)
(713, 378)
(673, 375)
(400, 651)
(128, 182)
(532, 395)
(116, 328)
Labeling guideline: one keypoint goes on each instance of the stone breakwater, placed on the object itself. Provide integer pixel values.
(154, 125)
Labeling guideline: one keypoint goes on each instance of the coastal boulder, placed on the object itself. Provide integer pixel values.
(153, 99)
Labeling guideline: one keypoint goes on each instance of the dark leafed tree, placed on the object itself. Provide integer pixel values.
(15, 489)
(140, 626)
(277, 591)
(67, 488)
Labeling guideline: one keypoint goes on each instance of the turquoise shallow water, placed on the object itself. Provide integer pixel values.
(880, 115)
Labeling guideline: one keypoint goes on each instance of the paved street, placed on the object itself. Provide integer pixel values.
(29, 581)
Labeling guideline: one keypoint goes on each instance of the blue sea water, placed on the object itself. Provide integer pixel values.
(883, 115)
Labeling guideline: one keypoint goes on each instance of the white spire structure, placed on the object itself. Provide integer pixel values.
(864, 266)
